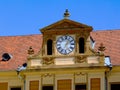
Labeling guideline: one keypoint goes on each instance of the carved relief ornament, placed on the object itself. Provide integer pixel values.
(80, 59)
(48, 60)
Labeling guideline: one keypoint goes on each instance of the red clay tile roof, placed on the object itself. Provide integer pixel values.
(111, 40)
(17, 46)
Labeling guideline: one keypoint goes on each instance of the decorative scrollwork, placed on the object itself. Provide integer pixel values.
(48, 60)
(80, 73)
(80, 59)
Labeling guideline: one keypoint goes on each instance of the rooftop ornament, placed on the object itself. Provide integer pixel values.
(30, 50)
(101, 48)
(66, 14)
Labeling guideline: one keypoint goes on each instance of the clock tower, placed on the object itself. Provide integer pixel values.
(67, 59)
(65, 42)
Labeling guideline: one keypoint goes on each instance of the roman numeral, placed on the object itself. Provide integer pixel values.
(63, 51)
(71, 47)
(59, 48)
(72, 43)
(65, 37)
(58, 44)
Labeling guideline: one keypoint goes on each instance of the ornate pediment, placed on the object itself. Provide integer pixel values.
(66, 24)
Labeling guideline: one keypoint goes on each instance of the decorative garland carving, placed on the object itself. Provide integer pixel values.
(47, 75)
(48, 60)
(80, 73)
(80, 59)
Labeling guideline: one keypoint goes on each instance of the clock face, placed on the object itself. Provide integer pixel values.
(65, 44)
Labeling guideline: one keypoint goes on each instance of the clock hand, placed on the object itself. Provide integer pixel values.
(66, 44)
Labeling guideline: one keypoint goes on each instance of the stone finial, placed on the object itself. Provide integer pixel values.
(101, 47)
(66, 14)
(30, 50)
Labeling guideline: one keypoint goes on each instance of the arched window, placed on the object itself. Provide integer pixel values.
(49, 47)
(81, 45)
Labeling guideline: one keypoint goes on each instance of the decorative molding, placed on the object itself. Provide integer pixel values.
(80, 59)
(47, 75)
(80, 73)
(48, 60)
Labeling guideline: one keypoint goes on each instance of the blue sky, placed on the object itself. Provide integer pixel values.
(26, 17)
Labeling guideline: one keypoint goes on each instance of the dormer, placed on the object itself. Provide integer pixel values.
(66, 42)
(65, 29)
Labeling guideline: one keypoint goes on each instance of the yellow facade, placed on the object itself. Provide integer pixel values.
(36, 79)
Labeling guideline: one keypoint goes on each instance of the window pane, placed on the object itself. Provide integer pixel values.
(80, 87)
(47, 88)
(17, 88)
(115, 86)
(49, 47)
(81, 45)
